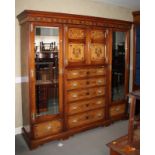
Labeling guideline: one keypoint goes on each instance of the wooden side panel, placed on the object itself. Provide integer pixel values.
(25, 73)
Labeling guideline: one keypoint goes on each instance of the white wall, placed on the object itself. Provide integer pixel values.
(81, 7)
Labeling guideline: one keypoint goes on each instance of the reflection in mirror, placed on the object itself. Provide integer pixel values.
(118, 66)
(46, 66)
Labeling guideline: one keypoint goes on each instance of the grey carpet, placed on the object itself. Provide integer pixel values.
(91, 142)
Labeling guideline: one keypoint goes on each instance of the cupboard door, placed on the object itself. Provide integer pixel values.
(98, 49)
(47, 64)
(75, 46)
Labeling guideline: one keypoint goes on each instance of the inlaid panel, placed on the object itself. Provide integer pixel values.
(47, 128)
(97, 34)
(76, 33)
(97, 52)
(75, 52)
(85, 118)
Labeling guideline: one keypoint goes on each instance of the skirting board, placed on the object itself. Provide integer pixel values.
(18, 130)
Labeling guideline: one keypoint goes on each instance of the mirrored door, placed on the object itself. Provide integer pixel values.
(46, 70)
(118, 66)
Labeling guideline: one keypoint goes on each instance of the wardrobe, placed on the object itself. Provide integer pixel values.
(77, 70)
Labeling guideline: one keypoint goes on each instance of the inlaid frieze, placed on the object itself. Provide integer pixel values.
(76, 52)
(76, 33)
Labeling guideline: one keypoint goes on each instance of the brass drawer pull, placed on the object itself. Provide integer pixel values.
(74, 95)
(117, 109)
(99, 91)
(74, 84)
(75, 73)
(74, 107)
(98, 102)
(99, 81)
(99, 115)
(74, 121)
(49, 127)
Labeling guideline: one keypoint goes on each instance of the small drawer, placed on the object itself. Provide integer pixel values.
(75, 95)
(76, 73)
(79, 94)
(82, 106)
(85, 118)
(76, 84)
(47, 128)
(117, 110)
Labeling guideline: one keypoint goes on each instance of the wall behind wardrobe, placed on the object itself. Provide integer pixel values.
(81, 7)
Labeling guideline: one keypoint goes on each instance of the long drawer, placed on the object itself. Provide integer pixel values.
(117, 110)
(85, 83)
(83, 73)
(82, 106)
(47, 128)
(75, 95)
(85, 118)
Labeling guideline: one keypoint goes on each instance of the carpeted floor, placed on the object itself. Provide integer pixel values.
(91, 142)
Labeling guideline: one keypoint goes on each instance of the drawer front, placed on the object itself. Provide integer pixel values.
(85, 93)
(117, 110)
(83, 73)
(47, 128)
(76, 84)
(82, 106)
(85, 118)
(76, 73)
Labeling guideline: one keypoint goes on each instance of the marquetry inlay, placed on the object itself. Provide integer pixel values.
(76, 33)
(76, 52)
(97, 51)
(97, 34)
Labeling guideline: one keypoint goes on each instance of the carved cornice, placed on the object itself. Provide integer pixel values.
(63, 18)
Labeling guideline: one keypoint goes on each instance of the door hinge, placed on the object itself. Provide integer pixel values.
(33, 116)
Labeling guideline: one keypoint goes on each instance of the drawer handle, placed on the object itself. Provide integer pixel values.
(75, 73)
(117, 109)
(99, 102)
(74, 121)
(74, 84)
(74, 107)
(49, 127)
(99, 91)
(74, 95)
(99, 115)
(99, 81)
(100, 71)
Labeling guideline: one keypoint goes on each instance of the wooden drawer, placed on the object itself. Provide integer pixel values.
(47, 128)
(83, 73)
(75, 95)
(85, 118)
(82, 106)
(75, 84)
(117, 110)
